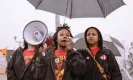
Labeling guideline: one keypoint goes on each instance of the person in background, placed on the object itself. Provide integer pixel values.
(43, 49)
(100, 61)
(49, 42)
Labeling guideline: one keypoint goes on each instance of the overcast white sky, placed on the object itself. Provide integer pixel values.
(15, 14)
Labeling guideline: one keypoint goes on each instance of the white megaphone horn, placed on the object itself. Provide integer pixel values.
(35, 32)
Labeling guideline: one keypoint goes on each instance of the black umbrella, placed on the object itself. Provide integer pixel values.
(80, 43)
(78, 8)
(114, 40)
(112, 47)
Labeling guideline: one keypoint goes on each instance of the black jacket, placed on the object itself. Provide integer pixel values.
(74, 66)
(109, 64)
(17, 70)
(104, 57)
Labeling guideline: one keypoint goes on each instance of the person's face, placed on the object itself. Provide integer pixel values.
(63, 37)
(92, 37)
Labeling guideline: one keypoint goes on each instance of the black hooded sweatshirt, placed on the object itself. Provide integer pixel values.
(109, 63)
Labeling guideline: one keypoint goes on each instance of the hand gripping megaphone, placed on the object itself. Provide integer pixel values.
(35, 32)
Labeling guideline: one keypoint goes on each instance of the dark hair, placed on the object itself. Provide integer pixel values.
(36, 46)
(64, 26)
(100, 43)
(25, 45)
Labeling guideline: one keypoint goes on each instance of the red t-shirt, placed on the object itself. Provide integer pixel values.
(28, 54)
(60, 61)
(94, 51)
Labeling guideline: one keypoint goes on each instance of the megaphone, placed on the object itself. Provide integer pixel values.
(35, 32)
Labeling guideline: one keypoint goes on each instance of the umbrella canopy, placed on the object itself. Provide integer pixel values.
(112, 47)
(80, 35)
(78, 8)
(80, 43)
(108, 38)
(117, 42)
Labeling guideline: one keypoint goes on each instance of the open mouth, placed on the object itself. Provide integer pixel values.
(64, 41)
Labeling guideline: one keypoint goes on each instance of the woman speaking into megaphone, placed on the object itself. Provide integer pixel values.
(25, 63)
